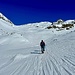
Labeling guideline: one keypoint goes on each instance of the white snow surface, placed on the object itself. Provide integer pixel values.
(20, 53)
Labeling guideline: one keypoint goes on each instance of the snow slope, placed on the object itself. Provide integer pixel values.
(20, 52)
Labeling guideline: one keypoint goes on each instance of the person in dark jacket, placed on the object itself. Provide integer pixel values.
(42, 44)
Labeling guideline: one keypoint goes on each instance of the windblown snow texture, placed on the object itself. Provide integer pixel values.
(20, 52)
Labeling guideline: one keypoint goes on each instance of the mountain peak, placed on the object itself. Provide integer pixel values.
(0, 14)
(4, 18)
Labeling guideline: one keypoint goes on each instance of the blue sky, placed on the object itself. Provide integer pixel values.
(30, 11)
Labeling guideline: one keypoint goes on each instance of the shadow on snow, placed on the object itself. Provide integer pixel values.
(36, 52)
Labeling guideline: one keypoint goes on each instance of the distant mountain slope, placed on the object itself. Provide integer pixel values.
(4, 18)
(6, 26)
(20, 52)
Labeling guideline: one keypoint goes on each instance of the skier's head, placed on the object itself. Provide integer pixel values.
(41, 40)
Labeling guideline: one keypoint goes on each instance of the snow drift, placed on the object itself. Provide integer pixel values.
(20, 52)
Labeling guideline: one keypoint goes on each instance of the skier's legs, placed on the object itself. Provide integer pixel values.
(42, 50)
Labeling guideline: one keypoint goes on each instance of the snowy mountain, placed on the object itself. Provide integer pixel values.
(20, 52)
(4, 18)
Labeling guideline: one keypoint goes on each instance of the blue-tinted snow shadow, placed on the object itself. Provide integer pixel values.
(36, 52)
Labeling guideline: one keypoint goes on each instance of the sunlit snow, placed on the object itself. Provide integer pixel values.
(20, 52)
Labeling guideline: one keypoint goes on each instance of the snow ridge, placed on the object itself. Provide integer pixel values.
(20, 52)
(4, 18)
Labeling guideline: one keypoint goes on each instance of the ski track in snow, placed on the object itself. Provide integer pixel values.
(38, 64)
(18, 58)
